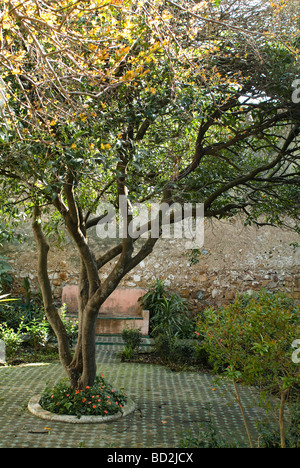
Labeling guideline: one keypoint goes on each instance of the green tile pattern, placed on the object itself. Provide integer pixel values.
(168, 404)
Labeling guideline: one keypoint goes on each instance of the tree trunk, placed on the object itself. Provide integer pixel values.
(81, 368)
(76, 367)
(281, 418)
(45, 285)
(243, 414)
(88, 347)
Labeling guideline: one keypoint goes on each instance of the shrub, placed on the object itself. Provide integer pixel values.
(127, 353)
(38, 331)
(152, 299)
(11, 338)
(175, 350)
(21, 311)
(251, 328)
(132, 337)
(270, 437)
(162, 346)
(99, 400)
(251, 340)
(184, 351)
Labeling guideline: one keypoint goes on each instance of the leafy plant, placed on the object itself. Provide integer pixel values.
(11, 338)
(5, 276)
(98, 400)
(270, 436)
(132, 337)
(38, 331)
(155, 295)
(177, 350)
(127, 353)
(20, 312)
(184, 351)
(6, 298)
(250, 340)
(169, 312)
(162, 346)
(171, 317)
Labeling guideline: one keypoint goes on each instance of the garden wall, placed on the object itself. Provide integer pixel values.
(233, 258)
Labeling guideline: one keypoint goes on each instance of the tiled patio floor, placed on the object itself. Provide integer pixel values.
(168, 405)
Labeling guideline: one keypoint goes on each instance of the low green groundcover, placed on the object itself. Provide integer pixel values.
(99, 400)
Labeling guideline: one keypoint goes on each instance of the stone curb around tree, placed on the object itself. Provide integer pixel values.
(35, 408)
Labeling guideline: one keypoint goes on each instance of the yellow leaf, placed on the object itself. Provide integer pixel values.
(129, 75)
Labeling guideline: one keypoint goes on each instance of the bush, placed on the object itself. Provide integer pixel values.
(162, 346)
(12, 340)
(270, 437)
(184, 351)
(71, 327)
(152, 299)
(99, 400)
(251, 340)
(132, 337)
(20, 332)
(177, 351)
(258, 330)
(21, 311)
(38, 332)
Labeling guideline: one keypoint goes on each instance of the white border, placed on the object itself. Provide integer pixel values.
(35, 408)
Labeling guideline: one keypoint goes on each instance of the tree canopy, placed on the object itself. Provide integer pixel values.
(169, 100)
(194, 93)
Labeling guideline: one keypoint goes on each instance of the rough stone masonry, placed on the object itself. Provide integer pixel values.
(233, 258)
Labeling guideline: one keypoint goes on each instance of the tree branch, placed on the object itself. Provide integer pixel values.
(251, 175)
(45, 285)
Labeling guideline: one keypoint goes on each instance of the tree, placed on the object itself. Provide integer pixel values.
(142, 100)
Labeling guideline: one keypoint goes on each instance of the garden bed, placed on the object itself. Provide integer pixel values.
(153, 358)
(35, 408)
(97, 403)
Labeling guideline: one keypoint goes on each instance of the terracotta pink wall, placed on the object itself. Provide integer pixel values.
(121, 301)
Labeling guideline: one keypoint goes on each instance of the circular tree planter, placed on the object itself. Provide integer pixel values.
(36, 409)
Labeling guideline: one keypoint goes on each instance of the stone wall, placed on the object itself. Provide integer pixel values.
(233, 258)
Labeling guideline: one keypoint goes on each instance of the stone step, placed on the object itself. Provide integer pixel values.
(116, 317)
(114, 324)
(117, 340)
